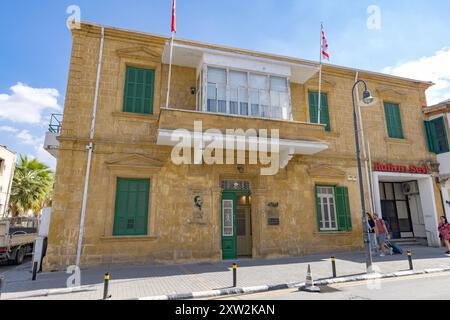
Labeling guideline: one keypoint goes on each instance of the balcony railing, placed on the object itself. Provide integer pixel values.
(55, 123)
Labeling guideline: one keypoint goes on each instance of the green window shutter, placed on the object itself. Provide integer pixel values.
(131, 211)
(318, 213)
(313, 103)
(314, 109)
(343, 212)
(440, 139)
(437, 136)
(429, 135)
(139, 90)
(393, 120)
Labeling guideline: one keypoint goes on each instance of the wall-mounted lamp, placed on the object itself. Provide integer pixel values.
(193, 90)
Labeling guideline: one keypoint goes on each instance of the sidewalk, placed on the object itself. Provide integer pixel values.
(131, 282)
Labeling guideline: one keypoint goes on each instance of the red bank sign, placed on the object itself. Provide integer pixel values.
(401, 169)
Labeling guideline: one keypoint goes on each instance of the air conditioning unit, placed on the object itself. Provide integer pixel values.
(410, 188)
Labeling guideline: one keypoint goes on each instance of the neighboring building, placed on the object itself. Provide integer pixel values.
(437, 126)
(7, 166)
(143, 207)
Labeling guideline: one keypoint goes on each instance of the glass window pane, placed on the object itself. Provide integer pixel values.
(212, 98)
(284, 104)
(222, 99)
(402, 210)
(326, 214)
(382, 196)
(264, 100)
(254, 98)
(243, 98)
(399, 195)
(238, 79)
(234, 108)
(278, 83)
(216, 75)
(258, 82)
(389, 191)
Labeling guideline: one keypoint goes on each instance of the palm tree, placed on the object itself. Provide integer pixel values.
(31, 188)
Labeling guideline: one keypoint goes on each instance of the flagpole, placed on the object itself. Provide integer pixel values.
(320, 77)
(170, 71)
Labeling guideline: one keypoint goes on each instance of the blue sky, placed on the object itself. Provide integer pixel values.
(413, 41)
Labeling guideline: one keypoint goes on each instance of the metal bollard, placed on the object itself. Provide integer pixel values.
(234, 266)
(106, 287)
(333, 265)
(411, 266)
(35, 267)
(1, 285)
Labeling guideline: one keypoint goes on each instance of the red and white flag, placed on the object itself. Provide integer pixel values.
(324, 46)
(174, 16)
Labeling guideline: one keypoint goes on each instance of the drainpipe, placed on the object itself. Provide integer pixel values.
(89, 148)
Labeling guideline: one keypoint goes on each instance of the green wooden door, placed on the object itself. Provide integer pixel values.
(229, 238)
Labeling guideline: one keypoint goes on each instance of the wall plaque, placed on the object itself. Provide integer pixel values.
(273, 214)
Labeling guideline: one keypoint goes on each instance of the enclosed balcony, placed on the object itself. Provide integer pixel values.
(51, 144)
(245, 92)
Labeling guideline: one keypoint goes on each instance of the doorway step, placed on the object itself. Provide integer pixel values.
(411, 242)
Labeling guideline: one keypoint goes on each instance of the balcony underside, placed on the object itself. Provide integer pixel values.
(295, 138)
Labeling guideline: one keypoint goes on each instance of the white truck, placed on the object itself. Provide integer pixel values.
(17, 236)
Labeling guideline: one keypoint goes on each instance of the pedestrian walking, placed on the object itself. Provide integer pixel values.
(382, 233)
(372, 233)
(444, 233)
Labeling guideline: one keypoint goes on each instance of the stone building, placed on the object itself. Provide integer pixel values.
(7, 168)
(144, 206)
(437, 126)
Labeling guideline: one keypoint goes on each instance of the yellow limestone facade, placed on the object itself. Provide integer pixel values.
(125, 146)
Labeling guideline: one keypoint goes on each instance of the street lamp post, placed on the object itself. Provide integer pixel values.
(367, 99)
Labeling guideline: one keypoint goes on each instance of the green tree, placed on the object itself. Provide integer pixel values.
(31, 188)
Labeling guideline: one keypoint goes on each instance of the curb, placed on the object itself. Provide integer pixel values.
(268, 288)
(56, 292)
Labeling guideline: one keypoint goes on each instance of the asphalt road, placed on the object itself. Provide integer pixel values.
(6, 267)
(424, 287)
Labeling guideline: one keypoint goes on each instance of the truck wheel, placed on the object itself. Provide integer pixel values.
(20, 255)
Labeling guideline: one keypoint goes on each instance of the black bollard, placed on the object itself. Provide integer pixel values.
(333, 265)
(106, 287)
(234, 266)
(411, 266)
(1, 285)
(35, 269)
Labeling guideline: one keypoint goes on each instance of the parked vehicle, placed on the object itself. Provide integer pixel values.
(17, 236)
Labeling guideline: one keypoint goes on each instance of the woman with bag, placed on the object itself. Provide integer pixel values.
(444, 232)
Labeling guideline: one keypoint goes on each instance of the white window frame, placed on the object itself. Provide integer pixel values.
(327, 196)
(270, 92)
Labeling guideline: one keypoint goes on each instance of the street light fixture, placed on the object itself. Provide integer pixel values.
(368, 99)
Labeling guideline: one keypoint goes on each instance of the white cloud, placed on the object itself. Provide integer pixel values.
(433, 68)
(8, 129)
(25, 137)
(27, 104)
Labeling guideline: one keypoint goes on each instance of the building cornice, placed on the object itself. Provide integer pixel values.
(111, 32)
